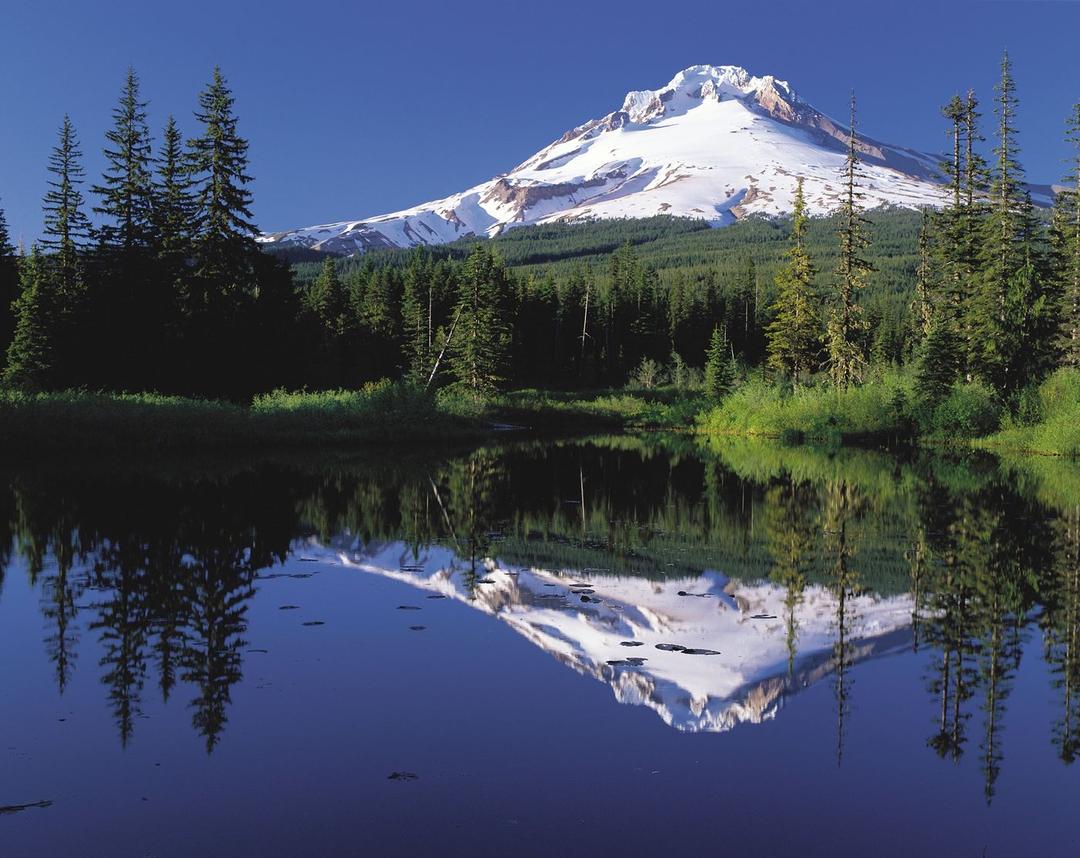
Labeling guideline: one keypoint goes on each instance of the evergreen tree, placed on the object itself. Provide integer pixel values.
(846, 324)
(1066, 241)
(416, 305)
(719, 366)
(125, 190)
(327, 298)
(478, 337)
(938, 361)
(67, 229)
(217, 168)
(9, 286)
(173, 209)
(794, 335)
(32, 360)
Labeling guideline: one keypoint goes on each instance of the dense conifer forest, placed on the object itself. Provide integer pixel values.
(150, 279)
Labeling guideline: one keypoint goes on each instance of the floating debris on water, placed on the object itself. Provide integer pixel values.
(671, 647)
(313, 623)
(631, 643)
(289, 608)
(403, 776)
(408, 607)
(437, 596)
(19, 808)
(417, 628)
(693, 651)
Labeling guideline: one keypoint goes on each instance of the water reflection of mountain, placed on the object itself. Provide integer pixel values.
(151, 570)
(744, 648)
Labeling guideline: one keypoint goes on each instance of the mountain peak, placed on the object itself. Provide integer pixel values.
(715, 143)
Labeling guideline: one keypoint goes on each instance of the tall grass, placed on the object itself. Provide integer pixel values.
(1050, 421)
(881, 407)
(80, 420)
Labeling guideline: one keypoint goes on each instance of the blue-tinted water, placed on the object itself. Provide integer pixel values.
(220, 660)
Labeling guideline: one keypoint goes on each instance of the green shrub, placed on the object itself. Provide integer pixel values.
(968, 411)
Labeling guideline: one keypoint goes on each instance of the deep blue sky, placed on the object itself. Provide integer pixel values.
(360, 108)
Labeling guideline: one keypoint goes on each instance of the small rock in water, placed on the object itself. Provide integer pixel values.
(631, 643)
(587, 599)
(417, 628)
(313, 623)
(289, 608)
(402, 776)
(408, 607)
(700, 652)
(671, 647)
(763, 617)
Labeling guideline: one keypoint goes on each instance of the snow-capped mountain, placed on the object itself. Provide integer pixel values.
(716, 143)
(705, 652)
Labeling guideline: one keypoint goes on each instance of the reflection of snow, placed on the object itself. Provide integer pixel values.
(746, 623)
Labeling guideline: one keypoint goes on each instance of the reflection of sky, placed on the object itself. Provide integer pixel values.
(516, 754)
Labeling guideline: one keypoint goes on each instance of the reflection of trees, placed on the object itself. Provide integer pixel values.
(169, 564)
(791, 533)
(843, 504)
(1062, 632)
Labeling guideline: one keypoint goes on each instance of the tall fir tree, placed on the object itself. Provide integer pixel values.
(1066, 245)
(67, 229)
(478, 336)
(9, 287)
(125, 190)
(719, 366)
(32, 356)
(218, 169)
(416, 312)
(172, 212)
(1011, 307)
(846, 325)
(794, 334)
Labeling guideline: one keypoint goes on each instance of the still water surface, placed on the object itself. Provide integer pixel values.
(612, 647)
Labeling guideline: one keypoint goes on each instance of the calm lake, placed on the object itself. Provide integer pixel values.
(619, 646)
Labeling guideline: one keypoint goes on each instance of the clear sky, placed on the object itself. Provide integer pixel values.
(359, 108)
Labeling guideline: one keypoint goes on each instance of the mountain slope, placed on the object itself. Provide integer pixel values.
(714, 144)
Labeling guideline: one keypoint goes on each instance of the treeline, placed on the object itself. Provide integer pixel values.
(170, 292)
(996, 297)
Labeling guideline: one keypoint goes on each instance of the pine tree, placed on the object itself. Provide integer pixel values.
(937, 365)
(173, 211)
(217, 168)
(416, 309)
(719, 366)
(125, 190)
(1066, 241)
(67, 229)
(1010, 311)
(478, 336)
(9, 286)
(32, 360)
(327, 298)
(794, 335)
(846, 325)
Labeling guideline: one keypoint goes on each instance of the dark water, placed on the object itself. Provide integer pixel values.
(621, 647)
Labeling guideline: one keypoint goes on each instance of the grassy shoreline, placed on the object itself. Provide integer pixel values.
(885, 411)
